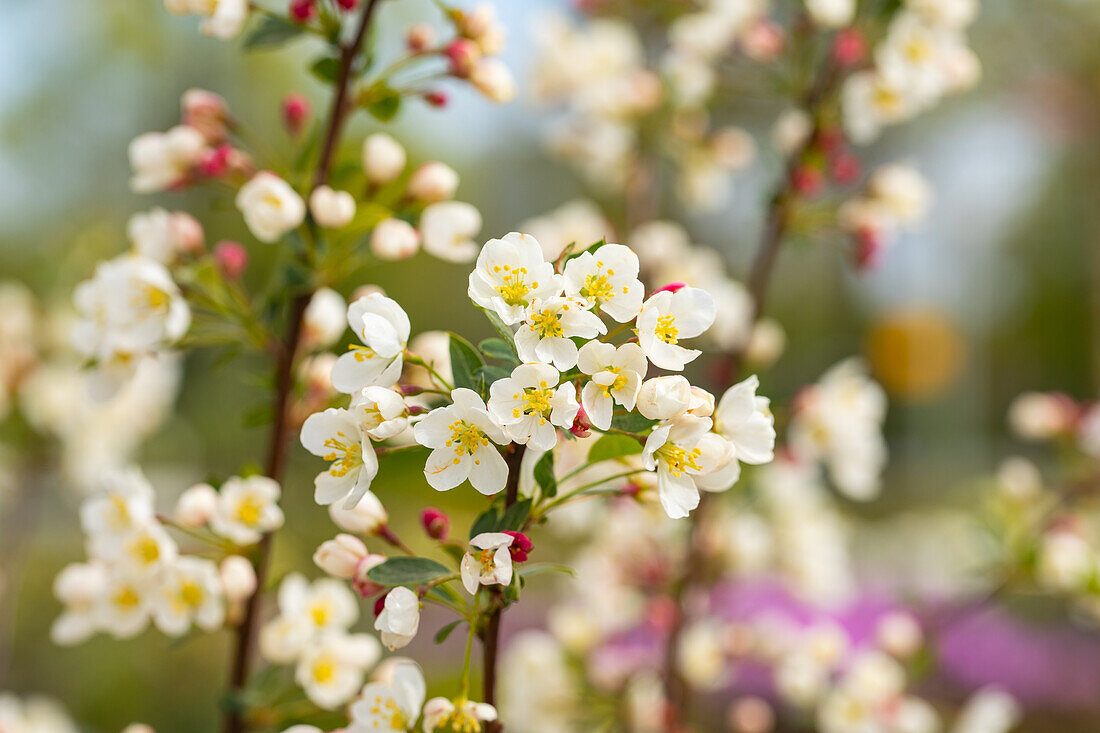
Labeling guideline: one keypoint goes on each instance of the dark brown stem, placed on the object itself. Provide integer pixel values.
(490, 638)
(677, 692)
(235, 720)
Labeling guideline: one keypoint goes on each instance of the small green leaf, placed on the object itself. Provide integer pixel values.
(382, 102)
(502, 328)
(465, 361)
(528, 569)
(632, 422)
(326, 69)
(544, 474)
(486, 375)
(499, 349)
(515, 516)
(272, 31)
(613, 446)
(442, 634)
(487, 522)
(407, 571)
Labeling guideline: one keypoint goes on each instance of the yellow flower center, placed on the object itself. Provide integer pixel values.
(536, 401)
(547, 323)
(126, 599)
(465, 439)
(597, 285)
(319, 613)
(155, 298)
(666, 329)
(917, 50)
(146, 550)
(248, 510)
(886, 99)
(346, 454)
(677, 459)
(362, 353)
(190, 594)
(513, 287)
(324, 669)
(387, 708)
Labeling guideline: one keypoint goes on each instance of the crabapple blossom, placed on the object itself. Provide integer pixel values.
(663, 398)
(606, 279)
(550, 325)
(340, 556)
(190, 593)
(366, 517)
(122, 501)
(79, 587)
(433, 182)
(163, 236)
(447, 229)
(330, 208)
(443, 714)
(238, 578)
(489, 562)
(394, 239)
(494, 79)
(459, 436)
(745, 420)
(125, 607)
(383, 158)
(207, 112)
(306, 612)
(247, 508)
(510, 274)
(330, 669)
(832, 13)
(392, 706)
(338, 436)
(668, 317)
(140, 552)
(399, 619)
(324, 320)
(380, 411)
(902, 192)
(222, 19)
(681, 450)
(616, 373)
(131, 307)
(162, 160)
(270, 206)
(529, 403)
(383, 328)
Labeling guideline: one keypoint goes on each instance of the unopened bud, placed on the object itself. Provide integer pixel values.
(347, 5)
(763, 41)
(238, 578)
(463, 54)
(296, 110)
(301, 10)
(419, 37)
(394, 239)
(808, 180)
(196, 506)
(493, 79)
(362, 582)
(751, 715)
(340, 557)
(582, 426)
(383, 158)
(846, 168)
(521, 545)
(207, 112)
(849, 47)
(662, 398)
(899, 634)
(435, 523)
(433, 182)
(436, 98)
(330, 208)
(232, 258)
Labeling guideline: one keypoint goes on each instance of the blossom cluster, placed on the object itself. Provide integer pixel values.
(136, 573)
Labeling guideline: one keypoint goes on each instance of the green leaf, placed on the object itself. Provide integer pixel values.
(383, 102)
(632, 422)
(454, 550)
(499, 349)
(271, 32)
(544, 474)
(514, 516)
(487, 522)
(442, 634)
(465, 361)
(326, 69)
(257, 416)
(526, 570)
(502, 328)
(486, 375)
(609, 447)
(407, 571)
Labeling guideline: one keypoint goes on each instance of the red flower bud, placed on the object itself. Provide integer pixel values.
(808, 180)
(849, 47)
(520, 546)
(582, 426)
(436, 99)
(463, 54)
(296, 110)
(301, 10)
(435, 523)
(347, 5)
(231, 257)
(215, 161)
(846, 168)
(868, 249)
(380, 604)
(671, 287)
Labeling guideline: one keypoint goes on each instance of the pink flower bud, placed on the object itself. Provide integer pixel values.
(419, 37)
(196, 506)
(582, 426)
(869, 246)
(231, 257)
(296, 111)
(436, 98)
(521, 545)
(340, 557)
(763, 41)
(301, 10)
(435, 523)
(433, 182)
(849, 47)
(672, 287)
(214, 162)
(808, 180)
(238, 578)
(846, 168)
(380, 604)
(187, 233)
(347, 5)
(362, 582)
(463, 54)
(207, 112)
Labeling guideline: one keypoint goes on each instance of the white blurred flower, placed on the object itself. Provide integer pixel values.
(324, 320)
(433, 182)
(161, 160)
(162, 235)
(196, 505)
(988, 710)
(238, 578)
(578, 222)
(902, 191)
(400, 618)
(190, 592)
(330, 669)
(383, 158)
(331, 209)
(270, 206)
(124, 608)
(247, 508)
(1040, 415)
(1065, 561)
(79, 587)
(448, 229)
(832, 13)
(700, 657)
(394, 239)
(494, 79)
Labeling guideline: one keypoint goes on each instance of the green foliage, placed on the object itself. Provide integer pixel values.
(465, 361)
(443, 633)
(632, 422)
(382, 102)
(407, 571)
(512, 520)
(272, 32)
(500, 349)
(326, 69)
(502, 328)
(544, 475)
(613, 446)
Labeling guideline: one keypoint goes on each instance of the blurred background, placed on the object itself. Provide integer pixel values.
(997, 293)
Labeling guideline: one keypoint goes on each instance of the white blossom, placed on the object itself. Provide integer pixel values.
(606, 279)
(394, 239)
(488, 562)
(330, 208)
(392, 706)
(682, 450)
(448, 229)
(337, 436)
(383, 158)
(383, 328)
(324, 320)
(529, 403)
(161, 160)
(549, 327)
(461, 436)
(400, 618)
(270, 206)
(667, 318)
(616, 373)
(433, 182)
(190, 592)
(663, 398)
(80, 588)
(510, 274)
(330, 669)
(247, 508)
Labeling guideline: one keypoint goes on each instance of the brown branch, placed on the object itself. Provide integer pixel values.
(678, 694)
(490, 638)
(234, 719)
